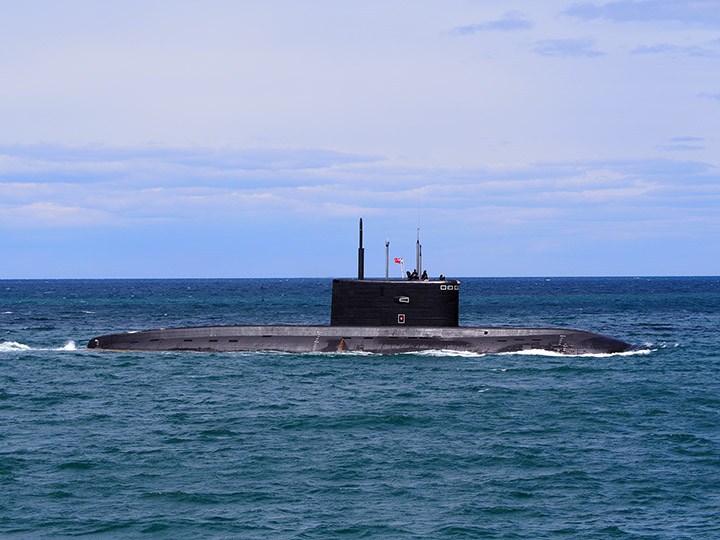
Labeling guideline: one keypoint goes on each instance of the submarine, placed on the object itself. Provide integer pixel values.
(385, 316)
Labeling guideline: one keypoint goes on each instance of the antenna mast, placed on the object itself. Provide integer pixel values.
(361, 256)
(418, 254)
(418, 247)
(387, 259)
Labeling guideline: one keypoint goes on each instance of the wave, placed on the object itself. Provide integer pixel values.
(14, 346)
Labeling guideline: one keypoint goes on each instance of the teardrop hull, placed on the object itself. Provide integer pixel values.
(383, 340)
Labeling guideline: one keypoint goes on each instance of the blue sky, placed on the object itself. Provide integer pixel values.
(245, 139)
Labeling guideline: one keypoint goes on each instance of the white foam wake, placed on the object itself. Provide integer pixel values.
(449, 353)
(529, 352)
(7, 346)
(543, 352)
(442, 353)
(69, 346)
(11, 346)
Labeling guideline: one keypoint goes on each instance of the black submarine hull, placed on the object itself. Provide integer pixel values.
(371, 339)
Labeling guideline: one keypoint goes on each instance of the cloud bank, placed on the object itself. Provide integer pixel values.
(53, 186)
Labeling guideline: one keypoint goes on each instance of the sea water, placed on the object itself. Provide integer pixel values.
(434, 445)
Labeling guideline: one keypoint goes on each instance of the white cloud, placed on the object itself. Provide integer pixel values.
(49, 214)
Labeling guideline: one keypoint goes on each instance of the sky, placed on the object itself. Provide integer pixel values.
(242, 139)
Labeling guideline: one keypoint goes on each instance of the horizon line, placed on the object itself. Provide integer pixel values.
(380, 278)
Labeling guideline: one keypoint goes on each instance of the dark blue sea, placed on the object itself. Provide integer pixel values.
(348, 446)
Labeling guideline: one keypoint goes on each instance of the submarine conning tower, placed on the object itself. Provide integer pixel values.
(385, 302)
(378, 302)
